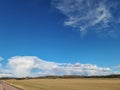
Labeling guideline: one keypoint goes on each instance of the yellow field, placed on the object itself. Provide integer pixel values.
(67, 84)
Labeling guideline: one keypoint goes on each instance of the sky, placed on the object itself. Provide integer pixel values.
(59, 37)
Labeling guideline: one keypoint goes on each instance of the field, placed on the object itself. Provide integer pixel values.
(67, 84)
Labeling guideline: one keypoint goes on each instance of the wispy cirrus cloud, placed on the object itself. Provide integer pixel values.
(22, 66)
(116, 69)
(90, 15)
(1, 58)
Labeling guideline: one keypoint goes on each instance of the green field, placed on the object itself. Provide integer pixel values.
(67, 84)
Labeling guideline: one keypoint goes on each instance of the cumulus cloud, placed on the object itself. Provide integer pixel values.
(5, 75)
(22, 66)
(89, 15)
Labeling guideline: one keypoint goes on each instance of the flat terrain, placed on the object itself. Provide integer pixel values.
(67, 84)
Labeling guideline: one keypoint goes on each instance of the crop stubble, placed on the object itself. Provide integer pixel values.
(67, 84)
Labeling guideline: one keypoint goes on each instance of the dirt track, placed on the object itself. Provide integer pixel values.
(4, 86)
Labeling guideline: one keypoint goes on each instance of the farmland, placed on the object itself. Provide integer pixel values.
(67, 84)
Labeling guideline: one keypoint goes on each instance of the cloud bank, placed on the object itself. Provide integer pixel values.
(117, 69)
(23, 66)
(99, 16)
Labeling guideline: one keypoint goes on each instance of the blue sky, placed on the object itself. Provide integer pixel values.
(60, 31)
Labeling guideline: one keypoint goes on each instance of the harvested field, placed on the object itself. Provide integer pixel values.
(67, 84)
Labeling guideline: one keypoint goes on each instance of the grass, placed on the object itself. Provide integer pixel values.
(67, 84)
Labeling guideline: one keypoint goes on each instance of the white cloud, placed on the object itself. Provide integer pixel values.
(85, 69)
(5, 75)
(1, 58)
(88, 15)
(3, 72)
(118, 67)
(103, 14)
(22, 66)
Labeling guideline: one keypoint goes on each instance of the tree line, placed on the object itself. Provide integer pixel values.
(62, 77)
